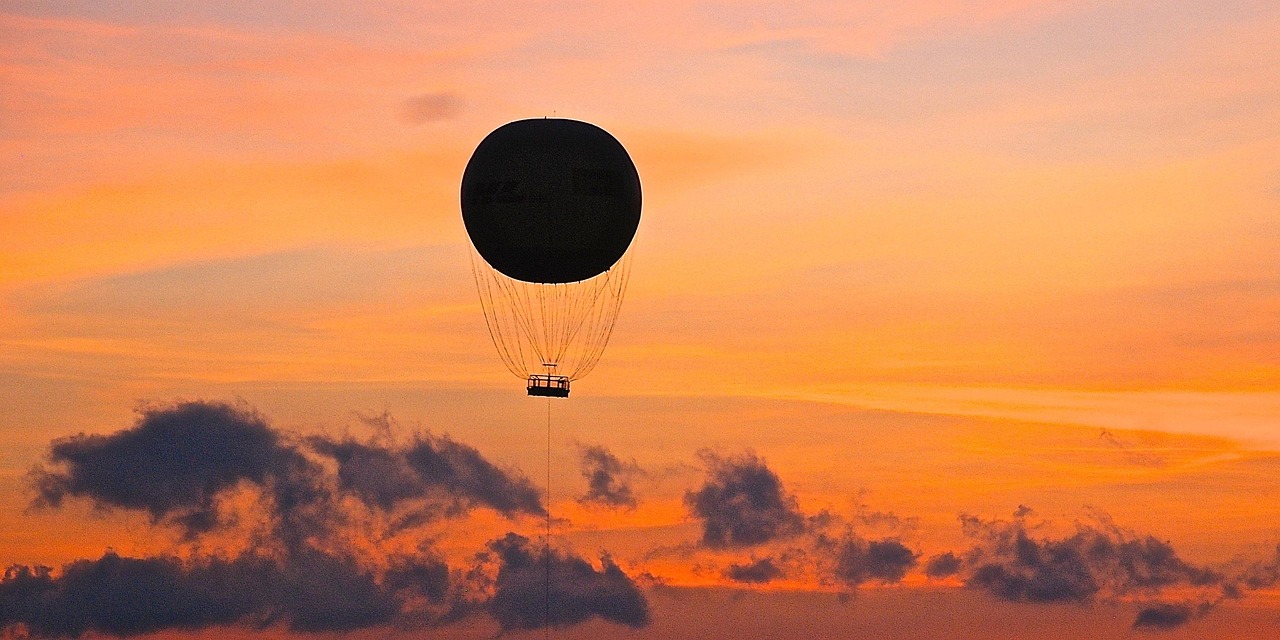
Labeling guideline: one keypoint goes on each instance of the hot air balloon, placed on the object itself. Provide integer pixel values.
(551, 206)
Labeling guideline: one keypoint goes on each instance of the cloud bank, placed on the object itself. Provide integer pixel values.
(308, 510)
(307, 562)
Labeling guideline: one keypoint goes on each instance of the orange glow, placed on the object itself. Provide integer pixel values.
(925, 258)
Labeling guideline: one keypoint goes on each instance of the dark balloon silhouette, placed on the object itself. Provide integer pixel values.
(551, 206)
(551, 200)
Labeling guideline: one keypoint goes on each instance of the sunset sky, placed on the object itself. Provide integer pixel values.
(946, 318)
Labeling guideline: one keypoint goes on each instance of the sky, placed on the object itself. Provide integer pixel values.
(945, 317)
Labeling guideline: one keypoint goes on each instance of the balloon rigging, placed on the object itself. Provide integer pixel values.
(551, 206)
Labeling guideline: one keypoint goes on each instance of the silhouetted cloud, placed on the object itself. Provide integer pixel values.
(577, 590)
(431, 107)
(437, 468)
(858, 560)
(1164, 616)
(114, 595)
(1014, 565)
(298, 567)
(419, 574)
(608, 479)
(461, 470)
(743, 503)
(309, 591)
(942, 565)
(177, 460)
(754, 572)
(173, 463)
(1098, 560)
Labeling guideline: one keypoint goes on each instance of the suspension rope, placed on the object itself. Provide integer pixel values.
(484, 287)
(567, 325)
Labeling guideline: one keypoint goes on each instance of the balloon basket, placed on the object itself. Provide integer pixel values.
(548, 386)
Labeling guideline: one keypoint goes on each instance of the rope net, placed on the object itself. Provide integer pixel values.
(566, 326)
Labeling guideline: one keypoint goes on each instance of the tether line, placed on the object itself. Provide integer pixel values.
(547, 592)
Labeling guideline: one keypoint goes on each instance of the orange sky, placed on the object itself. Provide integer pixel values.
(917, 255)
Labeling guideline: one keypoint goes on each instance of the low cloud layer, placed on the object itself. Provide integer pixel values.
(742, 503)
(303, 566)
(1097, 561)
(1014, 564)
(311, 514)
(309, 591)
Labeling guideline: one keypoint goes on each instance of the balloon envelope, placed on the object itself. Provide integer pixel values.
(550, 200)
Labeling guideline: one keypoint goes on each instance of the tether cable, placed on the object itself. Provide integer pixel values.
(547, 592)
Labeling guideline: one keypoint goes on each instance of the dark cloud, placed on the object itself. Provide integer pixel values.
(1013, 564)
(943, 565)
(462, 471)
(172, 464)
(431, 107)
(608, 479)
(423, 575)
(858, 560)
(754, 572)
(323, 592)
(743, 503)
(298, 566)
(386, 476)
(176, 461)
(308, 591)
(1161, 617)
(1098, 560)
(577, 590)
(114, 595)
(374, 474)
